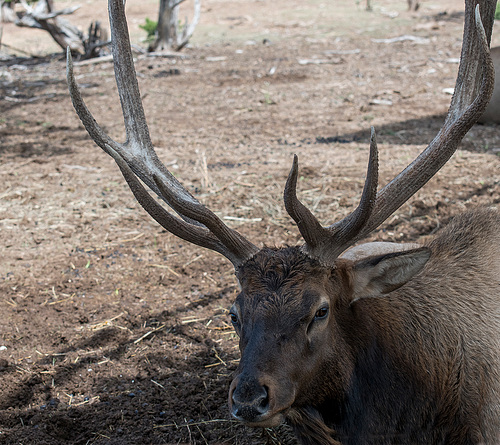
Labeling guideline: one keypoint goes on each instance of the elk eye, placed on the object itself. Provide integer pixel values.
(321, 313)
(234, 318)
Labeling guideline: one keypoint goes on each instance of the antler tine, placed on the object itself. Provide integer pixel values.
(138, 149)
(349, 227)
(309, 227)
(327, 243)
(137, 157)
(467, 105)
(136, 126)
(141, 157)
(88, 121)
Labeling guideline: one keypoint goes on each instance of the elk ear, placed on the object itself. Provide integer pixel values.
(379, 275)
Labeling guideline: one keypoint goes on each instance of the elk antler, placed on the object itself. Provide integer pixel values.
(137, 159)
(473, 90)
(328, 243)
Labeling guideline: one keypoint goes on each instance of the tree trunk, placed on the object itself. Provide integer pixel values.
(413, 5)
(167, 25)
(169, 36)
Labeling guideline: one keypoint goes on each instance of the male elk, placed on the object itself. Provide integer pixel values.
(382, 343)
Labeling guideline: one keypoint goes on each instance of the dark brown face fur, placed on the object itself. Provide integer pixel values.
(285, 318)
(298, 330)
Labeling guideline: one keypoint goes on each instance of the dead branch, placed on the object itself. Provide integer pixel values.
(42, 16)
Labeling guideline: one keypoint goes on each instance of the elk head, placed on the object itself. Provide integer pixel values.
(292, 315)
(294, 301)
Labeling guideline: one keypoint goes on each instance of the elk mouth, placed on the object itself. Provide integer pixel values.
(271, 421)
(251, 418)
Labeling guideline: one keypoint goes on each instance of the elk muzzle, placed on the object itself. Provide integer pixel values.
(251, 400)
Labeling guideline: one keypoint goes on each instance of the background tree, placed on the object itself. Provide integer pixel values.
(413, 5)
(170, 34)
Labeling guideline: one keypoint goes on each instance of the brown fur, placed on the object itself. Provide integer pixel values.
(418, 365)
(309, 425)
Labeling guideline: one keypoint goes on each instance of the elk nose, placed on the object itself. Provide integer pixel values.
(250, 401)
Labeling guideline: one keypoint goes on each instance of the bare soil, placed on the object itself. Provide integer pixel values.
(113, 331)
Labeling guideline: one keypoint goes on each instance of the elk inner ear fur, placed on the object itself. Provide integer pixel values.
(379, 275)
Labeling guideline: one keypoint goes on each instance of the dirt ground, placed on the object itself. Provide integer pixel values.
(113, 331)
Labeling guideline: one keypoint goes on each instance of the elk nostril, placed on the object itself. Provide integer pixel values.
(263, 404)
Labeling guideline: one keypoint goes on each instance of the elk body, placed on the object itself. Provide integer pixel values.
(396, 348)
(492, 112)
(379, 343)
